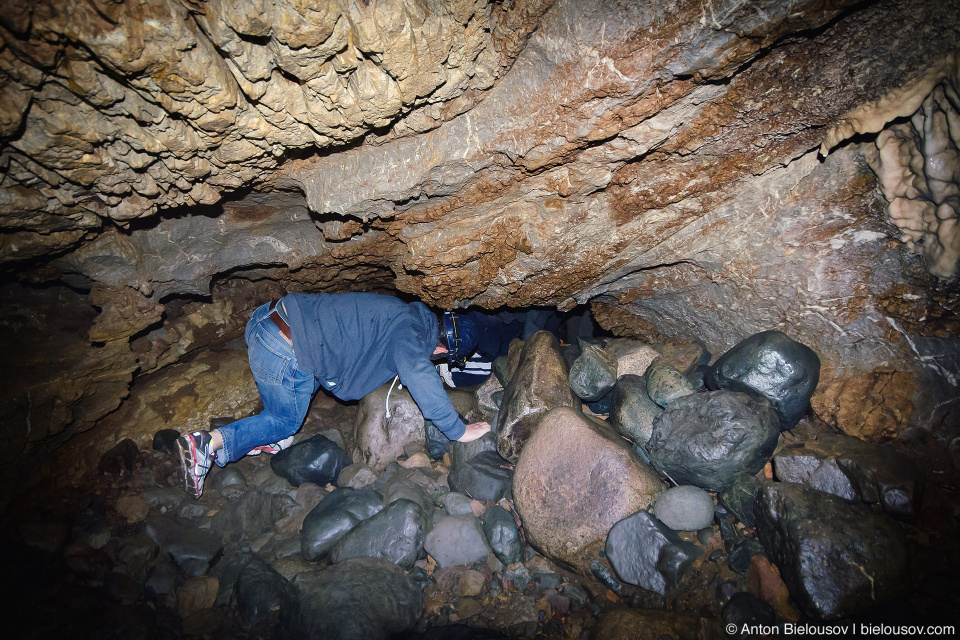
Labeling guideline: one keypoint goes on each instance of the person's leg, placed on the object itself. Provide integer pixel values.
(285, 390)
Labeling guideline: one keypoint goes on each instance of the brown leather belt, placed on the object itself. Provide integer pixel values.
(277, 320)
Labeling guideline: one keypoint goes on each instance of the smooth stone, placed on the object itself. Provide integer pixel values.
(318, 460)
(632, 412)
(706, 439)
(456, 541)
(771, 365)
(593, 374)
(666, 384)
(261, 592)
(229, 481)
(457, 504)
(684, 508)
(340, 511)
(503, 535)
(395, 533)
(741, 497)
(486, 476)
(646, 553)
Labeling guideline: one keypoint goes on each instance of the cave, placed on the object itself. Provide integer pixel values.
(689, 175)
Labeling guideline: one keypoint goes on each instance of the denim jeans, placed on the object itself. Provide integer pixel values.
(284, 388)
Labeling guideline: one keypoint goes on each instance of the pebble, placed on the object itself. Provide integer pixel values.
(684, 508)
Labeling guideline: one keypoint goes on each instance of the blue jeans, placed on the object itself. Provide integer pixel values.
(285, 390)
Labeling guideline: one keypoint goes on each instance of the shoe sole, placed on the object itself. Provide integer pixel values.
(190, 480)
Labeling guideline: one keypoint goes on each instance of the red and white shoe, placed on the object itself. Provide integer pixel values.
(272, 448)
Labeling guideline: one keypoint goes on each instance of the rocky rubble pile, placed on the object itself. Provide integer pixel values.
(642, 479)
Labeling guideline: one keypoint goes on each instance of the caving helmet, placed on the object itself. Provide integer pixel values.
(460, 335)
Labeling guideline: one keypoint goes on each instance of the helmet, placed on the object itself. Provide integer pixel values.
(461, 337)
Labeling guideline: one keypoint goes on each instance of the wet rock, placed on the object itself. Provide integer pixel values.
(487, 395)
(593, 374)
(437, 443)
(90, 528)
(539, 385)
(605, 576)
(517, 616)
(133, 508)
(684, 508)
(643, 624)
(741, 497)
(574, 480)
(84, 560)
(400, 487)
(472, 583)
(247, 517)
(308, 496)
(774, 366)
(456, 541)
(632, 411)
(191, 509)
(764, 581)
(120, 459)
(357, 476)
(165, 441)
(358, 599)
(196, 594)
(395, 533)
(191, 549)
(505, 367)
(502, 533)
(838, 558)
(229, 481)
(122, 588)
(162, 580)
(136, 551)
(318, 460)
(340, 511)
(744, 551)
(457, 504)
(856, 470)
(645, 552)
(665, 384)
(708, 438)
(261, 594)
(686, 357)
(461, 452)
(203, 623)
(745, 610)
(378, 439)
(484, 477)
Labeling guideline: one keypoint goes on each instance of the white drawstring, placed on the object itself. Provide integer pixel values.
(391, 391)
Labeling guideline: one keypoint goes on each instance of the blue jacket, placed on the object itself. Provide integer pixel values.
(355, 342)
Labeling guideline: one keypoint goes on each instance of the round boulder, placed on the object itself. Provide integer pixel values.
(684, 508)
(574, 480)
(706, 439)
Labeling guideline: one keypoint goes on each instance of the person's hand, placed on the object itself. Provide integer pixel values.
(474, 430)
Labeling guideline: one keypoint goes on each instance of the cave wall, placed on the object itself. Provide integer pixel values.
(694, 171)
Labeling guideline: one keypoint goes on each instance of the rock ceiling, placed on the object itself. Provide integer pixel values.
(693, 169)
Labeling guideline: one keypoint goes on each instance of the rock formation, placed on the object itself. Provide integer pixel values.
(689, 170)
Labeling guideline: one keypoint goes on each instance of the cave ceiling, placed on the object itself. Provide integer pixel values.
(692, 169)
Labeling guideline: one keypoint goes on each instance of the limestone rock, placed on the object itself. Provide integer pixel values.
(539, 385)
(838, 558)
(569, 496)
(706, 439)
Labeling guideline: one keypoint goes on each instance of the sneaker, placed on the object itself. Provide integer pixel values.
(272, 448)
(195, 460)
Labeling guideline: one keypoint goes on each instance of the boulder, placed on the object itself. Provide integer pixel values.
(505, 367)
(574, 480)
(318, 460)
(706, 439)
(457, 541)
(191, 549)
(646, 553)
(741, 496)
(686, 357)
(684, 508)
(484, 477)
(395, 533)
(357, 599)
(856, 470)
(379, 439)
(593, 374)
(632, 356)
(340, 511)
(461, 452)
(261, 593)
(666, 383)
(771, 365)
(539, 385)
(503, 535)
(632, 411)
(401, 487)
(838, 558)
